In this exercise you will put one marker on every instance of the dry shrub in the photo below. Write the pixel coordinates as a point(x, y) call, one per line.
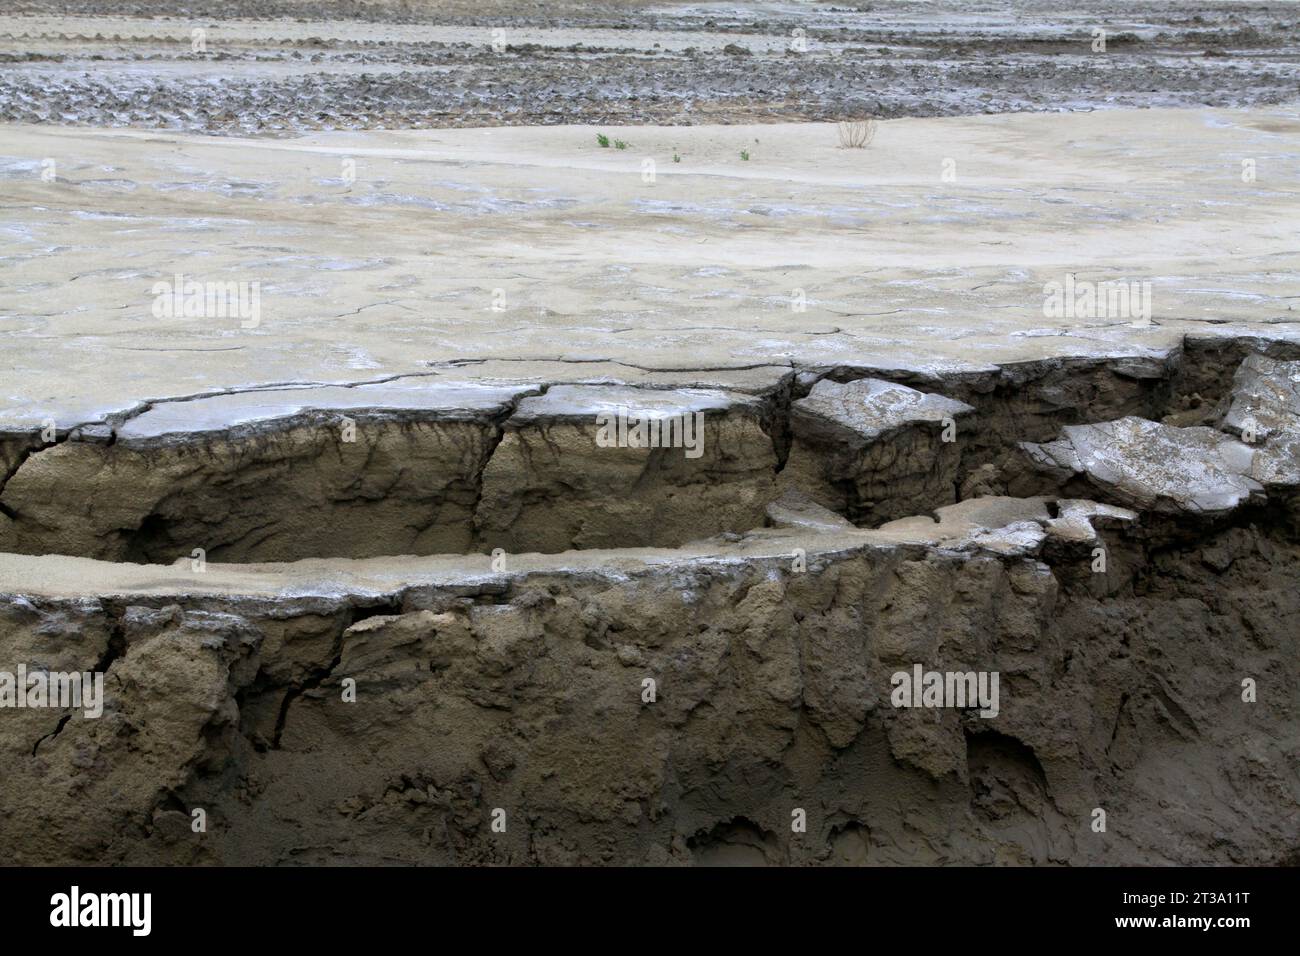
point(857, 134)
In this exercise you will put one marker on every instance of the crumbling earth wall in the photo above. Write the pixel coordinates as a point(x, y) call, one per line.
point(728, 700)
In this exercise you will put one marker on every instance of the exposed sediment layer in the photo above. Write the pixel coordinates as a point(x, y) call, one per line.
point(595, 466)
point(524, 692)
point(273, 476)
point(436, 462)
point(683, 705)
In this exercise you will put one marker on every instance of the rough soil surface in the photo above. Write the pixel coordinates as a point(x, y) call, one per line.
point(389, 709)
point(278, 66)
point(523, 691)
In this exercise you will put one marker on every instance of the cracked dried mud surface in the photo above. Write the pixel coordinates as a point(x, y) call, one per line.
point(392, 481)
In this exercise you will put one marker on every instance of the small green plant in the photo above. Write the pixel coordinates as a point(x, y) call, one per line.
point(619, 144)
point(603, 140)
point(676, 158)
point(744, 154)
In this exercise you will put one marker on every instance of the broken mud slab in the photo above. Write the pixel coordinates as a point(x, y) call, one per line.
point(1153, 467)
point(275, 476)
point(1263, 409)
point(795, 509)
point(873, 450)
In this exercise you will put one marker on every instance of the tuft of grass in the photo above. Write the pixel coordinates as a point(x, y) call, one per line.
point(603, 140)
point(744, 154)
point(676, 158)
point(619, 144)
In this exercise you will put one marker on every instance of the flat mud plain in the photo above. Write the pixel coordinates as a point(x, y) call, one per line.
point(379, 473)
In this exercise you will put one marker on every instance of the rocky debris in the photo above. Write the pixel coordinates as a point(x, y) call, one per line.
point(1264, 411)
point(279, 475)
point(873, 450)
point(796, 510)
point(1195, 472)
point(1012, 526)
point(597, 466)
point(1078, 520)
